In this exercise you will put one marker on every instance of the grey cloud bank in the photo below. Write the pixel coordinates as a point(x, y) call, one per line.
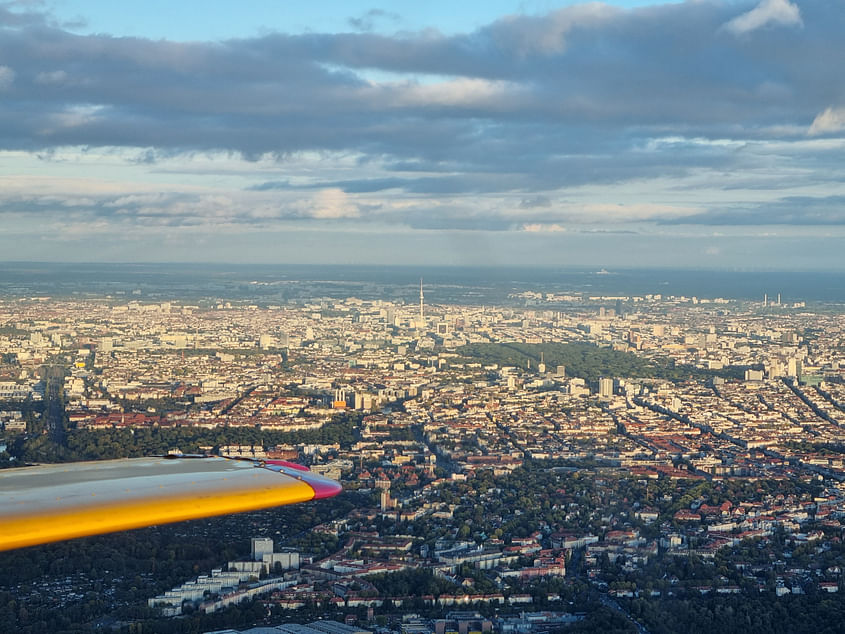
point(704, 112)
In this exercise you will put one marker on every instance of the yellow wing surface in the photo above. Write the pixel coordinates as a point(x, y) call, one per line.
point(50, 503)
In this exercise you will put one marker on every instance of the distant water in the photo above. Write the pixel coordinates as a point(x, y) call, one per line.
point(268, 283)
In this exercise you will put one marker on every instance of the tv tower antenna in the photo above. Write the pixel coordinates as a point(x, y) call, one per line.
point(422, 314)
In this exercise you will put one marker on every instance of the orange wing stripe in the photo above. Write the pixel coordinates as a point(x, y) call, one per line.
point(35, 521)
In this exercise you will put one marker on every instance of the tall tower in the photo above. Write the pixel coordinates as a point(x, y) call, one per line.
point(422, 314)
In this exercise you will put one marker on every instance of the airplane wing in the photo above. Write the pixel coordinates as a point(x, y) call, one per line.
point(54, 502)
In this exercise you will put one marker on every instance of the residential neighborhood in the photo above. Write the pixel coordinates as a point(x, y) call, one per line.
point(501, 458)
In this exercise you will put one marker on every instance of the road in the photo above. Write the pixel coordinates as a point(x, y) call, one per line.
point(574, 570)
point(613, 605)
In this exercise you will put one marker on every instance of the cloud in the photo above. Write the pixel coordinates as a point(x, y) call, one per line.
point(831, 121)
point(547, 34)
point(74, 116)
point(534, 202)
point(791, 211)
point(536, 227)
point(456, 93)
point(579, 77)
point(51, 77)
point(619, 212)
point(7, 77)
point(368, 20)
point(767, 13)
point(333, 204)
point(18, 14)
point(539, 121)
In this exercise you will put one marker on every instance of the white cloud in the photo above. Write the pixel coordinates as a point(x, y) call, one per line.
point(7, 76)
point(766, 13)
point(455, 93)
point(830, 121)
point(544, 228)
point(74, 116)
point(333, 203)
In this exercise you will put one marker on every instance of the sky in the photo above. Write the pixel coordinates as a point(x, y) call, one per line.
point(695, 134)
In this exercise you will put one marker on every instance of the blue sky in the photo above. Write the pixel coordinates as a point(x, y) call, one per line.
point(706, 133)
point(197, 20)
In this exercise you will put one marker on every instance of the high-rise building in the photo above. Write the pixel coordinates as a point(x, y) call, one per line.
point(605, 387)
point(339, 398)
point(753, 375)
point(774, 368)
point(261, 546)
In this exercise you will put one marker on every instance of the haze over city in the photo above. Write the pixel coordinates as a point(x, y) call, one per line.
point(704, 134)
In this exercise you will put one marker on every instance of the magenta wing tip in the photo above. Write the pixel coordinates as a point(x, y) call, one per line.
point(323, 487)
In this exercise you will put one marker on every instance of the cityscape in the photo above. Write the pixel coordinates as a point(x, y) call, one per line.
point(560, 461)
point(500, 317)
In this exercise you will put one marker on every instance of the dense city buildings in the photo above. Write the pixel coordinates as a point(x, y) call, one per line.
point(499, 461)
